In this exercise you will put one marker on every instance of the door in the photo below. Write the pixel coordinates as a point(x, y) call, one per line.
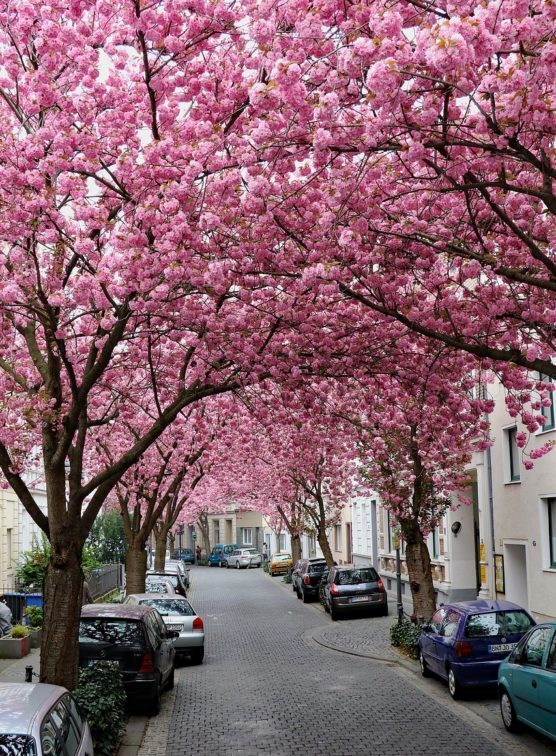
point(546, 689)
point(163, 646)
point(431, 642)
point(525, 675)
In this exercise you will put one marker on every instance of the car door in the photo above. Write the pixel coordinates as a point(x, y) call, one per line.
point(431, 642)
point(525, 674)
point(167, 651)
point(545, 716)
point(447, 638)
point(60, 731)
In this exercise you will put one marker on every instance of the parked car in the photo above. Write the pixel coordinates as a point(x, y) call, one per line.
point(37, 719)
point(307, 580)
point(178, 566)
point(349, 589)
point(527, 682)
point(175, 578)
point(244, 558)
point(465, 642)
point(295, 572)
point(136, 638)
point(280, 563)
point(158, 584)
point(186, 555)
point(177, 614)
point(219, 553)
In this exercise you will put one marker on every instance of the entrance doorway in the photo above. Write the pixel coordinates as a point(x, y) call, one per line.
point(515, 569)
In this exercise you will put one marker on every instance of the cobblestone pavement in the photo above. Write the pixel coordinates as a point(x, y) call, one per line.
point(363, 636)
point(266, 688)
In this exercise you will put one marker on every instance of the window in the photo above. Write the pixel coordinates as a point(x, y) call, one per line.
point(389, 526)
point(282, 541)
point(512, 454)
point(436, 620)
point(110, 631)
point(451, 624)
point(17, 745)
point(216, 532)
point(356, 577)
point(551, 505)
point(9, 546)
point(493, 624)
point(435, 543)
point(533, 651)
point(337, 537)
point(551, 664)
point(247, 536)
point(167, 606)
point(68, 730)
point(548, 412)
point(312, 544)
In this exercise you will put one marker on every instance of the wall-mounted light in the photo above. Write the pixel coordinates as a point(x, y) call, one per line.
point(456, 527)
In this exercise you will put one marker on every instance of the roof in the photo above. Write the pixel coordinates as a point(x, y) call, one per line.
point(115, 611)
point(160, 596)
point(21, 702)
point(484, 605)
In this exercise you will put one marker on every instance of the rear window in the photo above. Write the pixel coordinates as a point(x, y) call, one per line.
point(317, 568)
point(17, 745)
point(251, 551)
point(155, 586)
point(281, 557)
point(110, 631)
point(355, 577)
point(492, 624)
point(169, 606)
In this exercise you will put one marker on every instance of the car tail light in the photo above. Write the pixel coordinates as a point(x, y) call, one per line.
point(463, 648)
point(198, 624)
point(380, 584)
point(147, 663)
point(334, 589)
point(306, 580)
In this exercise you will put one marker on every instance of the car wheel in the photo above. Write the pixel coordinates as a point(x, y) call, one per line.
point(237, 565)
point(453, 685)
point(227, 565)
point(171, 680)
point(298, 593)
point(384, 611)
point(333, 613)
point(154, 703)
point(423, 665)
point(197, 655)
point(508, 712)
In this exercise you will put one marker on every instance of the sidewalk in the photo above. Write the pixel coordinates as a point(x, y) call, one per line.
point(13, 670)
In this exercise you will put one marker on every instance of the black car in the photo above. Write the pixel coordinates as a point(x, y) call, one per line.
point(176, 578)
point(136, 638)
point(354, 589)
point(308, 579)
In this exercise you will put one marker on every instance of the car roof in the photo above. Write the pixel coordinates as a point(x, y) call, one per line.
point(484, 606)
point(160, 596)
point(115, 611)
point(20, 703)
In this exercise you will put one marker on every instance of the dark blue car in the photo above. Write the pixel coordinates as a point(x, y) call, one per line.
point(465, 642)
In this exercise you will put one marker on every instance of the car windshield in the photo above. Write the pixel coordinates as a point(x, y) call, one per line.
point(187, 551)
point(356, 577)
point(492, 624)
point(171, 578)
point(101, 630)
point(17, 745)
point(166, 606)
point(156, 586)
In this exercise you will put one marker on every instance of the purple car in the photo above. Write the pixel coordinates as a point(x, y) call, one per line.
point(465, 642)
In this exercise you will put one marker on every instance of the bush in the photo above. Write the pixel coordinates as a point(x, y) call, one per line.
point(34, 616)
point(405, 635)
point(287, 577)
point(101, 698)
point(265, 566)
point(19, 631)
point(32, 569)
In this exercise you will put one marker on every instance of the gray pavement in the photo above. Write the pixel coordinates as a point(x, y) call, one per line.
point(280, 679)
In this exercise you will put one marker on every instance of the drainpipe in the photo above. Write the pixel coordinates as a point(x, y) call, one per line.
point(491, 513)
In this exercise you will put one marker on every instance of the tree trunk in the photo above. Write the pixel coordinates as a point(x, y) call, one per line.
point(172, 543)
point(277, 537)
point(62, 592)
point(420, 577)
point(160, 539)
point(324, 545)
point(296, 547)
point(135, 567)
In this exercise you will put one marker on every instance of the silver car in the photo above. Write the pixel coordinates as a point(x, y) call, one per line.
point(244, 558)
point(156, 584)
point(179, 615)
point(37, 719)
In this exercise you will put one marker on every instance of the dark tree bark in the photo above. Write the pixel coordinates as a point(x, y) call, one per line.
point(160, 540)
point(136, 566)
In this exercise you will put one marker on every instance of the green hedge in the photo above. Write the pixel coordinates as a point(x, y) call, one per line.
point(406, 635)
point(101, 698)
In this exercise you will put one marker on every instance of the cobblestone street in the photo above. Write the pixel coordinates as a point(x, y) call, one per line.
point(266, 686)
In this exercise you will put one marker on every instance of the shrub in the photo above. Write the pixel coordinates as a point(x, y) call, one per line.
point(102, 700)
point(19, 631)
point(34, 616)
point(32, 569)
point(287, 577)
point(265, 566)
point(405, 635)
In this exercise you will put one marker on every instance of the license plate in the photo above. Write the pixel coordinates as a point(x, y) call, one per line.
point(501, 647)
point(175, 627)
point(357, 599)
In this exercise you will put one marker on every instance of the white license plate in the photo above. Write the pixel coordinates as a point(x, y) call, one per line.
point(357, 599)
point(501, 647)
point(175, 627)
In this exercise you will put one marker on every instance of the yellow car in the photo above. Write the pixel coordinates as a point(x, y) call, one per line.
point(280, 563)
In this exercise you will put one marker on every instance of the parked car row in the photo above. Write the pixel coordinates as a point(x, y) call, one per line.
point(475, 643)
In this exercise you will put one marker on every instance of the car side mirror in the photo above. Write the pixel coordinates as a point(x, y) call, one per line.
point(426, 628)
point(172, 634)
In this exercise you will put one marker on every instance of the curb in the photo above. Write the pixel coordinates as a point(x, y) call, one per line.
point(362, 654)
